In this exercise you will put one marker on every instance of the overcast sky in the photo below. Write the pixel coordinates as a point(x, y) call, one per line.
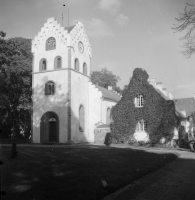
point(124, 35)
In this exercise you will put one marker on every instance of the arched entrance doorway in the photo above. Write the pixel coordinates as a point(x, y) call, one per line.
point(49, 128)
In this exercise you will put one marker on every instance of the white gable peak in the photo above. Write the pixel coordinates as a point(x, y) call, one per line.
point(51, 27)
point(78, 32)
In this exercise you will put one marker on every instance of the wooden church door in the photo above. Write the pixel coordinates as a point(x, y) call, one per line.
point(49, 128)
point(52, 130)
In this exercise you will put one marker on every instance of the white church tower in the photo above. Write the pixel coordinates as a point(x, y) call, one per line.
point(61, 75)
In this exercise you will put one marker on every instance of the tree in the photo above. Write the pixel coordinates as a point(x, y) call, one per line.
point(117, 89)
point(15, 80)
point(105, 78)
point(186, 21)
point(2, 34)
point(125, 88)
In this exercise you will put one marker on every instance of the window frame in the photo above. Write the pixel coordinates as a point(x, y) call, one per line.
point(56, 62)
point(75, 65)
point(41, 64)
point(51, 46)
point(81, 126)
point(85, 68)
point(139, 101)
point(48, 90)
point(141, 126)
point(108, 120)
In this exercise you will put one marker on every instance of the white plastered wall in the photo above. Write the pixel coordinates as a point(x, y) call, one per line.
point(95, 99)
point(79, 83)
point(79, 96)
point(105, 105)
point(58, 102)
point(43, 103)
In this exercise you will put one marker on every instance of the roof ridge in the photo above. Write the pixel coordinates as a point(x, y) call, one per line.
point(108, 93)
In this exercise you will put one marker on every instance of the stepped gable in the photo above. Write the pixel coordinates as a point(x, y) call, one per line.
point(51, 26)
point(76, 33)
point(109, 94)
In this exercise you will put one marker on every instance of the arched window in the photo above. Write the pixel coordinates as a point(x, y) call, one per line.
point(76, 64)
point(58, 62)
point(111, 114)
point(108, 116)
point(85, 68)
point(49, 88)
point(141, 126)
point(43, 64)
point(81, 119)
point(50, 44)
point(139, 101)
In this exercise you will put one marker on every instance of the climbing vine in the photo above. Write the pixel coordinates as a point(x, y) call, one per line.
point(158, 112)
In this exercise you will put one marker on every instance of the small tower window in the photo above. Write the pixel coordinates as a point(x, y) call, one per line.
point(50, 44)
point(76, 64)
point(85, 68)
point(139, 101)
point(58, 62)
point(81, 119)
point(141, 126)
point(43, 65)
point(49, 88)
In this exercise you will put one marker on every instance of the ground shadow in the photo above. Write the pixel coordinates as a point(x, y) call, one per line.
point(76, 171)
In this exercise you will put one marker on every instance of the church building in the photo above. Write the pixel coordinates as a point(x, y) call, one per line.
point(66, 105)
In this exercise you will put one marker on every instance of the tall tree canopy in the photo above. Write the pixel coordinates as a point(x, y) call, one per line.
point(105, 78)
point(15, 79)
point(186, 22)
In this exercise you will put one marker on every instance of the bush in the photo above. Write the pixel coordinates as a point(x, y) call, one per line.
point(108, 139)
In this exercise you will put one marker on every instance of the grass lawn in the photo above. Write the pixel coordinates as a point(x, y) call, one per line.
point(73, 172)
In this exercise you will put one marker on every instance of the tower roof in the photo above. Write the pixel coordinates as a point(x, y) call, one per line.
point(69, 29)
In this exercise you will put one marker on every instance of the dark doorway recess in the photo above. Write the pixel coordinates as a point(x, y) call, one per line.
point(49, 128)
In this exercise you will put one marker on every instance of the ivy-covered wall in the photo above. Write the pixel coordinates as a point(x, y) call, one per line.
point(158, 112)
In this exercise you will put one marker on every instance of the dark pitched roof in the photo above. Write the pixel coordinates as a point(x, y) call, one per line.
point(109, 94)
point(187, 104)
point(69, 29)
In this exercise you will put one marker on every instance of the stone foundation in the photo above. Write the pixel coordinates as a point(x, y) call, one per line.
point(100, 133)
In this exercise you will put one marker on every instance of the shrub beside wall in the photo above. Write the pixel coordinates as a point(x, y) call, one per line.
point(158, 112)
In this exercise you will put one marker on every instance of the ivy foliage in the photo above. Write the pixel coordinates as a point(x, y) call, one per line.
point(157, 112)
